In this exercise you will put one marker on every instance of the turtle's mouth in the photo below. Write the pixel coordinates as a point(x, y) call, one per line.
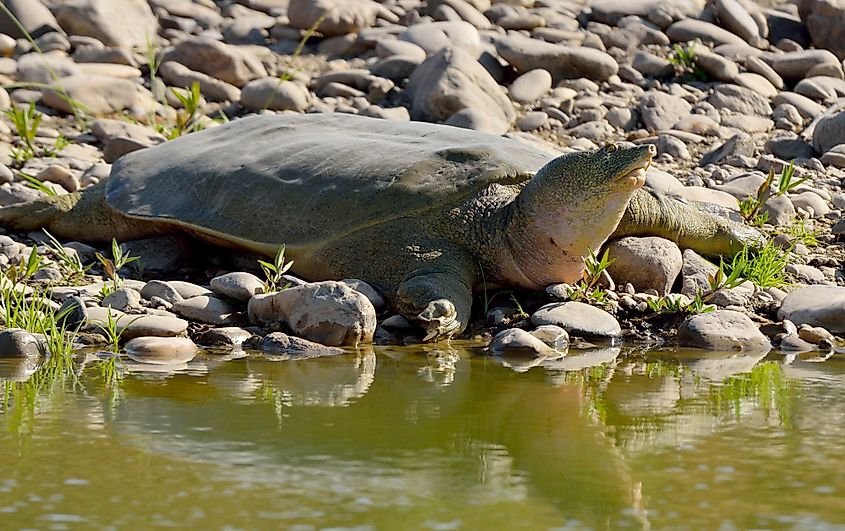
point(635, 176)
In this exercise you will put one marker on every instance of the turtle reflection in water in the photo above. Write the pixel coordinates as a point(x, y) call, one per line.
point(425, 213)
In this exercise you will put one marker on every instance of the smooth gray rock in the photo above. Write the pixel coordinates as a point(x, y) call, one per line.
point(335, 17)
point(123, 299)
point(451, 81)
point(578, 319)
point(795, 65)
point(690, 29)
point(722, 330)
point(646, 263)
point(179, 75)
point(562, 62)
point(652, 65)
point(328, 312)
point(825, 21)
point(239, 285)
point(32, 15)
point(738, 20)
point(227, 336)
point(661, 111)
point(161, 350)
point(717, 66)
point(375, 298)
point(271, 93)
point(515, 341)
point(296, 348)
point(121, 23)
point(829, 132)
point(530, 86)
point(17, 343)
point(206, 309)
point(822, 306)
point(739, 100)
point(219, 60)
point(99, 95)
point(162, 290)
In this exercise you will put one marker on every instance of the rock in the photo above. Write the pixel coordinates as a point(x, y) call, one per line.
point(656, 11)
point(160, 253)
point(179, 75)
point(736, 19)
point(32, 15)
point(822, 306)
point(790, 147)
point(37, 68)
point(187, 289)
point(59, 175)
point(829, 132)
point(672, 146)
point(220, 61)
point(207, 309)
point(106, 129)
point(795, 65)
point(121, 23)
point(72, 313)
point(741, 144)
point(335, 17)
point(578, 319)
point(515, 341)
point(451, 81)
point(660, 111)
point(690, 29)
point(810, 201)
point(722, 330)
point(530, 86)
point(151, 325)
point(271, 93)
point(296, 348)
point(434, 36)
point(123, 299)
point(795, 344)
point(240, 286)
point(328, 312)
point(396, 68)
point(229, 336)
point(805, 106)
point(552, 335)
point(821, 88)
point(532, 120)
point(392, 47)
point(647, 263)
point(825, 21)
point(161, 350)
point(562, 62)
point(651, 65)
point(695, 272)
point(758, 66)
point(17, 343)
point(368, 291)
point(739, 100)
point(162, 290)
point(835, 156)
point(716, 66)
point(814, 334)
point(100, 95)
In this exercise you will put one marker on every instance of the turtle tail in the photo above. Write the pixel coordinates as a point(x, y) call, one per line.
point(37, 214)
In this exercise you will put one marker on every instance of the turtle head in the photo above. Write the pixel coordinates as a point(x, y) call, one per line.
point(581, 175)
point(572, 205)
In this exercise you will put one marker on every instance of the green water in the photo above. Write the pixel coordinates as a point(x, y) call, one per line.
point(448, 438)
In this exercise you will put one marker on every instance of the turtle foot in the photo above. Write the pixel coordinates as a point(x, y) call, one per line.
point(439, 320)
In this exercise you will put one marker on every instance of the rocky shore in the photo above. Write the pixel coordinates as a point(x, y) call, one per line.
point(745, 103)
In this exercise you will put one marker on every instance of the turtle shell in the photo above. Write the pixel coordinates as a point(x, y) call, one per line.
point(311, 178)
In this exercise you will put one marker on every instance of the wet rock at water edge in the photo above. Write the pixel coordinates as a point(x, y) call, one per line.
point(161, 350)
point(296, 348)
point(578, 319)
point(722, 330)
point(822, 306)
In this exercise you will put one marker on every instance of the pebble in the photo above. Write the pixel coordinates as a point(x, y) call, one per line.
point(724, 330)
point(646, 263)
point(207, 309)
point(822, 306)
point(239, 286)
point(17, 343)
point(296, 348)
point(530, 86)
point(161, 350)
point(515, 341)
point(578, 319)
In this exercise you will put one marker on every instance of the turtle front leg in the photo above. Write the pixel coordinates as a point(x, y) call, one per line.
point(439, 299)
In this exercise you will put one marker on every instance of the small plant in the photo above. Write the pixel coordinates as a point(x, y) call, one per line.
point(26, 267)
point(70, 263)
point(60, 143)
point(800, 232)
point(749, 208)
point(187, 118)
point(587, 289)
point(520, 312)
point(764, 267)
point(274, 272)
point(112, 267)
point(113, 330)
point(684, 58)
point(26, 121)
point(673, 305)
point(594, 267)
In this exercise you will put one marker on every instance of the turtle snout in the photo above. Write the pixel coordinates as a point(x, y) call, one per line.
point(652, 150)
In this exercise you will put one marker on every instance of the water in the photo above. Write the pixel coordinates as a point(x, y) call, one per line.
point(413, 438)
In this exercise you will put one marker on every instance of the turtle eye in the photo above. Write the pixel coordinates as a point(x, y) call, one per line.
point(610, 148)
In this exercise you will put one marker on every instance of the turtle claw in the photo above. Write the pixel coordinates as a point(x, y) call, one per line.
point(439, 320)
